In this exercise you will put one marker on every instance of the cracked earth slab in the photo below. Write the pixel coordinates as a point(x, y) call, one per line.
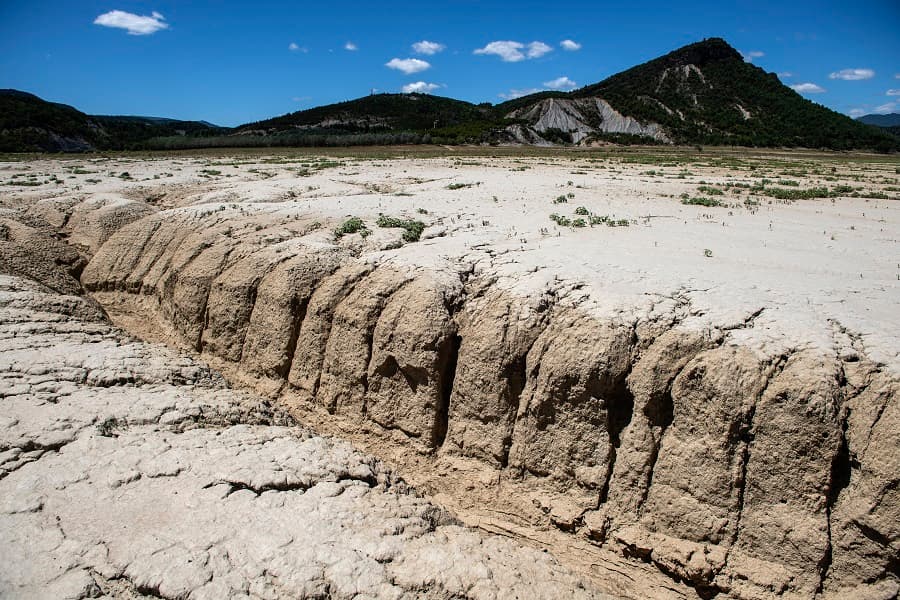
point(132, 471)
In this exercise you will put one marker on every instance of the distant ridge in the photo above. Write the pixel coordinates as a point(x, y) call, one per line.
point(703, 93)
point(887, 120)
point(31, 124)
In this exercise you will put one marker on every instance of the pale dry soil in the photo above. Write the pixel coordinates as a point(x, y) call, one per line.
point(700, 400)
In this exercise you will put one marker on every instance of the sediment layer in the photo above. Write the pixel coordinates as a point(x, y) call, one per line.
point(674, 437)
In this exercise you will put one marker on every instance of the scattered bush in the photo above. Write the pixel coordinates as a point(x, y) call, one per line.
point(701, 201)
point(412, 229)
point(352, 225)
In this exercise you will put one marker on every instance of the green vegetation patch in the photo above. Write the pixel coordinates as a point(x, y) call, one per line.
point(352, 225)
point(701, 201)
point(412, 229)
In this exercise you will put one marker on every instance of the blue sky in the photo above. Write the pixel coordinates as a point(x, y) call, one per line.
point(234, 62)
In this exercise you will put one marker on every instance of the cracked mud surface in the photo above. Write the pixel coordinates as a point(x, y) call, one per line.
point(128, 470)
point(669, 423)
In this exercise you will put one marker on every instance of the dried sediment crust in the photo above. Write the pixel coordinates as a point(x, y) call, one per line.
point(129, 470)
point(735, 463)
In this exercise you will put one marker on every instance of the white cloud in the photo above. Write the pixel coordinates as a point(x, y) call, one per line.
point(893, 93)
point(428, 48)
point(420, 87)
point(749, 56)
point(886, 108)
point(133, 24)
point(807, 88)
point(560, 83)
point(513, 94)
point(510, 51)
point(856, 112)
point(785, 74)
point(293, 47)
point(570, 45)
point(853, 74)
point(408, 65)
point(538, 49)
point(351, 47)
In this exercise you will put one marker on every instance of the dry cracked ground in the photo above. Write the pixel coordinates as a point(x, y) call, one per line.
point(636, 374)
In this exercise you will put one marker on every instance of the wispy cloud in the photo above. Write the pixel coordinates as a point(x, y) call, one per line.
point(893, 93)
point(408, 65)
point(351, 47)
point(293, 47)
point(538, 49)
point(853, 74)
point(749, 56)
point(511, 51)
point(856, 112)
point(513, 94)
point(785, 74)
point(808, 88)
point(427, 48)
point(132, 23)
point(886, 108)
point(560, 83)
point(420, 87)
point(570, 45)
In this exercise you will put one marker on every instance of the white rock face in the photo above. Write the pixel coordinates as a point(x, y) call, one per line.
point(127, 470)
point(581, 117)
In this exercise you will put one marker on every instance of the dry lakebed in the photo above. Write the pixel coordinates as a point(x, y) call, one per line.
point(471, 373)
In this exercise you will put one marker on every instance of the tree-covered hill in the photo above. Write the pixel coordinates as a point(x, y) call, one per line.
point(30, 124)
point(704, 93)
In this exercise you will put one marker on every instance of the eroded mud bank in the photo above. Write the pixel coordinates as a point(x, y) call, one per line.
point(661, 432)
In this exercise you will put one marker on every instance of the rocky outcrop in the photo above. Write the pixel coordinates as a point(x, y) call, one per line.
point(579, 117)
point(742, 468)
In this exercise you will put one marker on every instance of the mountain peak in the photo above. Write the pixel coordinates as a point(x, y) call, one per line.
point(702, 53)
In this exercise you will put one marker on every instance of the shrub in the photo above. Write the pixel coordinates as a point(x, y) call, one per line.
point(581, 210)
point(712, 191)
point(701, 201)
point(412, 229)
point(352, 225)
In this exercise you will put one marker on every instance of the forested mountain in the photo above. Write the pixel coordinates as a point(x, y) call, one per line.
point(703, 93)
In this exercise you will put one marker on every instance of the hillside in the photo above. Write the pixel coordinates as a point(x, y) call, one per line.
point(446, 119)
point(704, 93)
point(884, 121)
point(31, 124)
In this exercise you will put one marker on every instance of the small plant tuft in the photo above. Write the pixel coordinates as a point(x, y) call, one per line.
point(352, 225)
